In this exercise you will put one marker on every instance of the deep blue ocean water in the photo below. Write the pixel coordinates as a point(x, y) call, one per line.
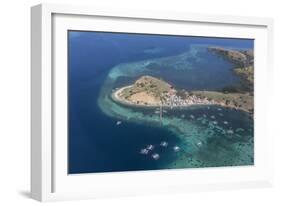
point(96, 143)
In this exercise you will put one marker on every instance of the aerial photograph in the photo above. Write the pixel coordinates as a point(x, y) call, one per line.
point(139, 102)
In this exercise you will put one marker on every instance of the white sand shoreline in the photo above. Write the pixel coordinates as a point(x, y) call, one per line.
point(115, 96)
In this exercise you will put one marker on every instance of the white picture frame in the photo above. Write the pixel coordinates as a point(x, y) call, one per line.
point(49, 178)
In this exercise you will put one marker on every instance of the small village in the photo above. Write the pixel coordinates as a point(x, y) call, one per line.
point(171, 99)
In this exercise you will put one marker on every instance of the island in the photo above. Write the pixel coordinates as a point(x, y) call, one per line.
point(150, 91)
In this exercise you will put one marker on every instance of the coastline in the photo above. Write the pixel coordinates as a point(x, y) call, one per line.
point(193, 134)
point(117, 99)
point(243, 61)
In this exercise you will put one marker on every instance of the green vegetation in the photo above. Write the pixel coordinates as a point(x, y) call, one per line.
point(230, 89)
point(182, 93)
point(238, 57)
point(239, 100)
point(148, 84)
point(247, 73)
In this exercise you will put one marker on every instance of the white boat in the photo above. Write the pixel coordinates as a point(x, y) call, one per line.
point(215, 122)
point(191, 116)
point(213, 117)
point(230, 131)
point(176, 148)
point(155, 156)
point(199, 143)
point(144, 151)
point(225, 122)
point(118, 122)
point(150, 147)
point(164, 144)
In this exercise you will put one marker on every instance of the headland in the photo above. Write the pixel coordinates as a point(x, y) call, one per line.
point(148, 91)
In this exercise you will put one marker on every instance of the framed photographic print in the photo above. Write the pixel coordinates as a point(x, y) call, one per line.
point(134, 102)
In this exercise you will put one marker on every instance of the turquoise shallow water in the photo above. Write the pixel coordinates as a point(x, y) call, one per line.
point(195, 69)
point(209, 136)
point(100, 62)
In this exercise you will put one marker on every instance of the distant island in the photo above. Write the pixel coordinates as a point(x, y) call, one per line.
point(244, 63)
point(153, 92)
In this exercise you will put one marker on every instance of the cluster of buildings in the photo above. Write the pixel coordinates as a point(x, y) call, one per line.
point(172, 100)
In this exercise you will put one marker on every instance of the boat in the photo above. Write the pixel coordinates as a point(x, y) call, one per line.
point(150, 147)
point(199, 143)
point(144, 151)
point(176, 148)
point(164, 144)
point(215, 122)
point(191, 116)
point(155, 156)
point(225, 122)
point(213, 117)
point(239, 130)
point(118, 122)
